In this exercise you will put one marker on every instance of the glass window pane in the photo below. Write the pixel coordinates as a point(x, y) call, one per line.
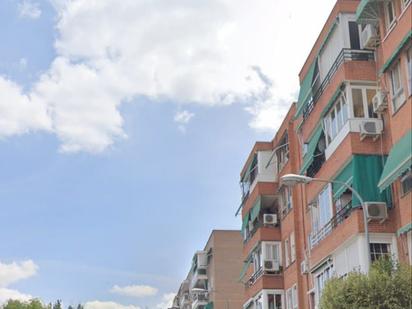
point(327, 130)
point(339, 116)
point(370, 93)
point(334, 124)
point(357, 99)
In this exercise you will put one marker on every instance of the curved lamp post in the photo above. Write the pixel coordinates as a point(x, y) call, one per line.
point(293, 179)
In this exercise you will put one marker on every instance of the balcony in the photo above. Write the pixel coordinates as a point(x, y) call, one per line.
point(258, 274)
point(257, 171)
point(199, 299)
point(344, 56)
point(317, 236)
point(263, 214)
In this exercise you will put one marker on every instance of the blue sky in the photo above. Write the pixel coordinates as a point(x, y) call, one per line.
point(115, 171)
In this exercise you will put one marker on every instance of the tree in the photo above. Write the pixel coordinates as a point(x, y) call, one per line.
point(32, 304)
point(388, 285)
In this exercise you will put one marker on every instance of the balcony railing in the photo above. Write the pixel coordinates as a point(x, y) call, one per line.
point(340, 216)
point(257, 226)
point(259, 273)
point(345, 55)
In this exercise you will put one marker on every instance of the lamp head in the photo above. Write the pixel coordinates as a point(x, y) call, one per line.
point(293, 179)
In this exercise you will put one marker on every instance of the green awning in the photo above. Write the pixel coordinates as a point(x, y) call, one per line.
point(209, 306)
point(346, 176)
point(254, 212)
point(396, 52)
point(244, 269)
point(366, 170)
point(305, 91)
point(368, 12)
point(333, 99)
point(250, 168)
point(399, 160)
point(313, 143)
point(245, 222)
point(404, 229)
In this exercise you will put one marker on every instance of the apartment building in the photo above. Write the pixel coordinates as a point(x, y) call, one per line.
point(351, 126)
point(212, 281)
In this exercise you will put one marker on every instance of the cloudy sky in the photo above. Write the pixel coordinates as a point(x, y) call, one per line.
point(123, 128)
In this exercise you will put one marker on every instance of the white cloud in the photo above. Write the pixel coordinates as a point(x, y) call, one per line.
point(7, 294)
point(167, 301)
point(135, 290)
point(13, 272)
point(107, 305)
point(200, 52)
point(19, 113)
point(29, 9)
point(183, 117)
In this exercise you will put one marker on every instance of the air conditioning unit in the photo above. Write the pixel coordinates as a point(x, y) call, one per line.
point(270, 219)
point(201, 259)
point(304, 267)
point(369, 37)
point(370, 128)
point(376, 211)
point(271, 265)
point(380, 102)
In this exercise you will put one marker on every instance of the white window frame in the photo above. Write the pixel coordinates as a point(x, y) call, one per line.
point(390, 249)
point(320, 278)
point(272, 250)
point(405, 176)
point(405, 3)
point(398, 94)
point(286, 199)
point(327, 190)
point(409, 68)
point(342, 103)
point(292, 247)
point(287, 256)
point(388, 23)
point(292, 298)
point(364, 89)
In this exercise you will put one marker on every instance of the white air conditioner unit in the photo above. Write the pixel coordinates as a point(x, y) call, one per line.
point(201, 259)
point(271, 265)
point(304, 267)
point(369, 37)
point(376, 211)
point(380, 102)
point(270, 219)
point(370, 128)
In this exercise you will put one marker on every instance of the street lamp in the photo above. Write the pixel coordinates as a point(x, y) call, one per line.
point(293, 179)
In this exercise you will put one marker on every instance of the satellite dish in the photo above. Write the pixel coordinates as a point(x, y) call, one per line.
point(322, 145)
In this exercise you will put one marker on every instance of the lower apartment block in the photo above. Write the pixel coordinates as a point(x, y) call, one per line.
point(213, 279)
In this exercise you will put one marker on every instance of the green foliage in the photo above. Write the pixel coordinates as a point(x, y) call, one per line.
point(35, 304)
point(386, 286)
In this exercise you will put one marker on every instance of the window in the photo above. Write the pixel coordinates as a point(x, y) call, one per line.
point(379, 250)
point(287, 257)
point(257, 259)
point(335, 119)
point(362, 101)
point(409, 69)
point(286, 200)
point(271, 251)
point(406, 181)
point(289, 301)
point(354, 35)
point(357, 100)
point(405, 3)
point(325, 205)
point(282, 154)
point(320, 280)
point(274, 301)
point(295, 297)
point(292, 247)
point(389, 14)
point(398, 97)
point(259, 302)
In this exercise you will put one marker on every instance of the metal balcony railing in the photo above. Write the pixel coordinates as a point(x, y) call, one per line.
point(259, 273)
point(345, 55)
point(340, 216)
point(257, 226)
